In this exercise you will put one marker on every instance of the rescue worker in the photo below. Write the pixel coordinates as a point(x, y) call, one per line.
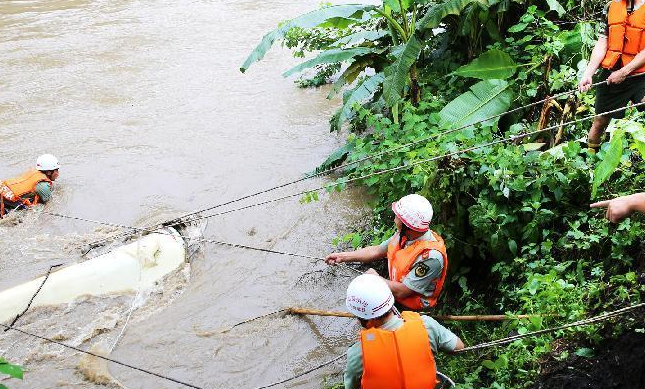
point(417, 259)
point(620, 51)
point(620, 208)
point(394, 351)
point(30, 188)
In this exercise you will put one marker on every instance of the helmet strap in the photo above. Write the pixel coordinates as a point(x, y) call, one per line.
point(402, 233)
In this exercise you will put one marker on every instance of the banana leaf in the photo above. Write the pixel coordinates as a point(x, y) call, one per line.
point(308, 20)
point(335, 159)
point(610, 161)
point(351, 73)
point(436, 13)
point(329, 56)
point(396, 7)
point(557, 7)
point(493, 64)
point(396, 75)
point(484, 99)
point(363, 91)
point(361, 36)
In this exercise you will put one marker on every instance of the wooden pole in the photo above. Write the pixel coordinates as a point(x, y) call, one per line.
point(318, 312)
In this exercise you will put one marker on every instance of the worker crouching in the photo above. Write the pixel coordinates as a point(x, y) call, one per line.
point(416, 255)
point(30, 188)
point(394, 351)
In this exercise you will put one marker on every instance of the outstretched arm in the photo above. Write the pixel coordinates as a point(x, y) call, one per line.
point(622, 207)
point(364, 255)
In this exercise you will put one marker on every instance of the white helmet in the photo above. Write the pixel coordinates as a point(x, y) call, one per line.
point(415, 211)
point(47, 162)
point(368, 297)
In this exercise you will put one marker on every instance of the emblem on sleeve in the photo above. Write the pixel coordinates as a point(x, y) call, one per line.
point(421, 270)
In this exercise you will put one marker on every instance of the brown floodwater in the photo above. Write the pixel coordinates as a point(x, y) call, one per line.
point(143, 103)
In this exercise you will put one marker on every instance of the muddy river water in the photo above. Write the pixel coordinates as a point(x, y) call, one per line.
point(143, 103)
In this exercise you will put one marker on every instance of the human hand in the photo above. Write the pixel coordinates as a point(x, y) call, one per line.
point(372, 271)
point(585, 84)
point(617, 209)
point(334, 259)
point(617, 77)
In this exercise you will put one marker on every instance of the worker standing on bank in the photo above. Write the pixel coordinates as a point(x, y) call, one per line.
point(30, 188)
point(417, 259)
point(620, 51)
point(394, 351)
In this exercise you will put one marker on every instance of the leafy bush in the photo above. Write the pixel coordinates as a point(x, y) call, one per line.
point(515, 214)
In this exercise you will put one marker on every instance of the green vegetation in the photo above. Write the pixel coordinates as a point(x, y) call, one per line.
point(10, 370)
point(515, 215)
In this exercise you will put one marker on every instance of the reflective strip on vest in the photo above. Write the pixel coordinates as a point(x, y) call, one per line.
point(400, 359)
point(626, 35)
point(15, 188)
point(401, 260)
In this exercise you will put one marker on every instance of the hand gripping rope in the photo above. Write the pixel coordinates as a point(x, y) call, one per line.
point(499, 342)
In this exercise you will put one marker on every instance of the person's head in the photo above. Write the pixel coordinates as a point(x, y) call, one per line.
point(48, 165)
point(370, 299)
point(412, 215)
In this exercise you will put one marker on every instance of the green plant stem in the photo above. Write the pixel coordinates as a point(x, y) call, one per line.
point(413, 22)
point(393, 23)
point(404, 16)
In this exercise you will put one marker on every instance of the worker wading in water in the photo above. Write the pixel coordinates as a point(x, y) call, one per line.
point(620, 51)
point(394, 351)
point(417, 259)
point(30, 188)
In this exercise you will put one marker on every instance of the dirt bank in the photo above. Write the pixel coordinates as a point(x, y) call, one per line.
point(618, 364)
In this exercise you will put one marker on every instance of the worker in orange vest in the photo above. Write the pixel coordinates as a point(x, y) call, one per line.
point(394, 351)
point(417, 258)
point(30, 188)
point(620, 51)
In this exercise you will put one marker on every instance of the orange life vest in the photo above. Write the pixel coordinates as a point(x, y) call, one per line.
point(626, 37)
point(400, 262)
point(400, 359)
point(13, 189)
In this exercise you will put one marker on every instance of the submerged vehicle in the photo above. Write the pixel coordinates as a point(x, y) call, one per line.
point(131, 267)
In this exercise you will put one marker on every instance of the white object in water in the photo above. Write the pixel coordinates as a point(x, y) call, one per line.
point(132, 267)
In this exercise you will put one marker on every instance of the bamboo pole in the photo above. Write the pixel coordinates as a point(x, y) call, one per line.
point(319, 312)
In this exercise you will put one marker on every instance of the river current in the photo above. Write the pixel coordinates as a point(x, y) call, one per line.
point(143, 103)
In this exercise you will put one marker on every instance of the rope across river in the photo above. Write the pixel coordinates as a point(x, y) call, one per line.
point(499, 342)
point(174, 222)
point(353, 180)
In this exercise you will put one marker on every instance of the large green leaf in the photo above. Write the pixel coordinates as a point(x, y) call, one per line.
point(639, 141)
point(396, 75)
point(572, 40)
point(636, 130)
point(484, 99)
point(555, 6)
point(329, 56)
point(335, 159)
point(363, 91)
point(351, 73)
point(396, 7)
point(308, 20)
point(610, 161)
point(435, 14)
point(361, 36)
point(493, 64)
point(14, 371)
